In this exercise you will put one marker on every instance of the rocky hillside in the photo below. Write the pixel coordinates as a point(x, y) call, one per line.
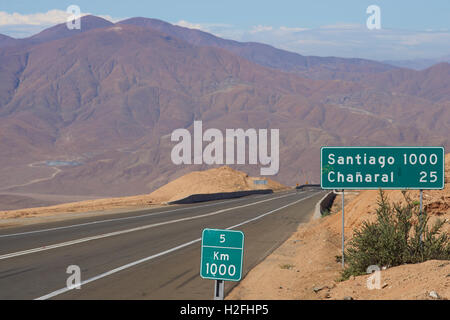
point(108, 98)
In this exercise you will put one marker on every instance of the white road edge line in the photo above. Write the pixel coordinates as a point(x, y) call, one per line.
point(119, 219)
point(116, 233)
point(132, 264)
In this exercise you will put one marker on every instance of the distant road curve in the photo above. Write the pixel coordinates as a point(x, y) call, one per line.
point(53, 175)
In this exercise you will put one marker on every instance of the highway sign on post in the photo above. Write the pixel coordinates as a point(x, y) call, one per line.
point(221, 255)
point(382, 168)
point(221, 260)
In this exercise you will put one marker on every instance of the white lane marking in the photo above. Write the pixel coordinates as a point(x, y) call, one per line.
point(121, 219)
point(115, 233)
point(132, 264)
point(63, 290)
point(272, 211)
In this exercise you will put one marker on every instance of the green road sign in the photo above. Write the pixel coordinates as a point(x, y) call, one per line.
point(382, 167)
point(222, 253)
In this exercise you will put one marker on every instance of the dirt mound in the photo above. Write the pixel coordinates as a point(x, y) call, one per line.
point(134, 202)
point(223, 179)
point(411, 281)
point(305, 266)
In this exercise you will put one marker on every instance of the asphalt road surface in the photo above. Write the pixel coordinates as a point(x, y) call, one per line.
point(148, 254)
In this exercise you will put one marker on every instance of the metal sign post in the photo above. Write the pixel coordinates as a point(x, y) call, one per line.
point(219, 290)
point(421, 216)
point(343, 229)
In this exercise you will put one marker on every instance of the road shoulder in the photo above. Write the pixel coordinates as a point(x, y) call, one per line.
point(305, 266)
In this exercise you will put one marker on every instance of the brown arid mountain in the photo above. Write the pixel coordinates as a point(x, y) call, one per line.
point(426, 84)
point(6, 41)
point(268, 56)
point(104, 102)
point(59, 31)
point(418, 64)
point(419, 97)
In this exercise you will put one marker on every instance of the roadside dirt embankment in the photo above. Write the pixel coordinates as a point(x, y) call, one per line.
point(217, 180)
point(223, 179)
point(305, 266)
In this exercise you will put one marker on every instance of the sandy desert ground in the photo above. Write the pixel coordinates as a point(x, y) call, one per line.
point(305, 266)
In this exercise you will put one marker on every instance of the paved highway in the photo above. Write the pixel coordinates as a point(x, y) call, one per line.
point(150, 254)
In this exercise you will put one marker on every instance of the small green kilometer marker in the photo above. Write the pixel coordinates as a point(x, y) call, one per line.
point(222, 254)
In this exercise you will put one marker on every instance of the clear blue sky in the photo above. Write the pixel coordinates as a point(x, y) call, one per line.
point(398, 14)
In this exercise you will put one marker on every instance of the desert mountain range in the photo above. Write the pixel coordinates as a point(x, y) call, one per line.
point(102, 102)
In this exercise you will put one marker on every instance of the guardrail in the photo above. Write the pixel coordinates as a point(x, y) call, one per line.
point(327, 202)
point(219, 196)
point(324, 204)
point(303, 186)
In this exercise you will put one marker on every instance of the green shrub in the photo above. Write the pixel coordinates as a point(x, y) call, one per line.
point(287, 266)
point(326, 212)
point(395, 239)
